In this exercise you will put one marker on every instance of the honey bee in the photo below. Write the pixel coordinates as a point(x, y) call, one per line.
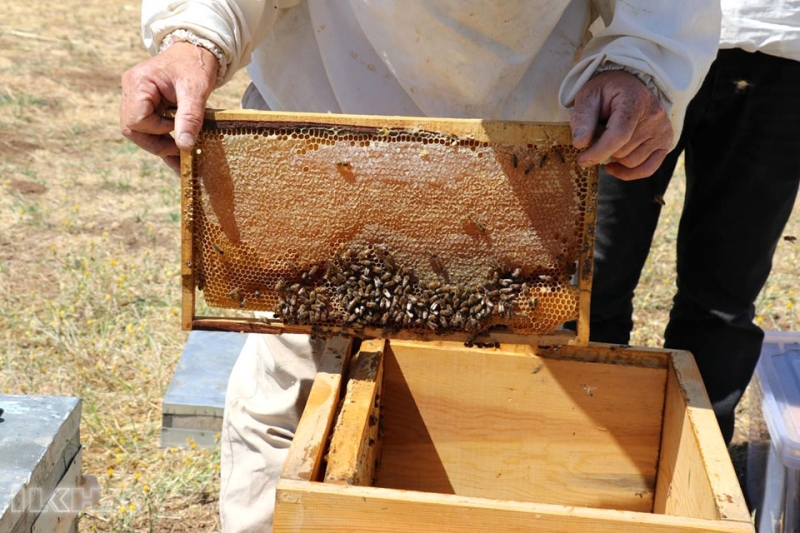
point(514, 160)
point(436, 262)
point(478, 223)
point(543, 161)
point(237, 295)
point(560, 155)
point(529, 168)
point(218, 248)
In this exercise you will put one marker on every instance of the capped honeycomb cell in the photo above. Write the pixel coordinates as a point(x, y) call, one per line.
point(393, 225)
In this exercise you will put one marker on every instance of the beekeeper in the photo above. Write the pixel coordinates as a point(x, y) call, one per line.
point(627, 69)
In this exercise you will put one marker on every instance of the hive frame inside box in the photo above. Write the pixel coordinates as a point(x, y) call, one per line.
point(641, 452)
point(396, 456)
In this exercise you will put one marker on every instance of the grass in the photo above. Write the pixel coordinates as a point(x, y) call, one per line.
point(89, 261)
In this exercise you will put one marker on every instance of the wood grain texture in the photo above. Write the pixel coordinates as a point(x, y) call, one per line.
point(187, 242)
point(317, 507)
point(520, 427)
point(263, 325)
point(354, 443)
point(305, 454)
point(496, 131)
point(696, 477)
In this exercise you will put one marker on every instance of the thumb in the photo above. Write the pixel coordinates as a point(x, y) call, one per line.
point(585, 117)
point(189, 117)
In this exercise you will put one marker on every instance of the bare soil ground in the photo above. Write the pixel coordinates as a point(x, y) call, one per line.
point(89, 261)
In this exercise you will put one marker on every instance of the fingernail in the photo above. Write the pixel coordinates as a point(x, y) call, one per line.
point(186, 138)
point(578, 132)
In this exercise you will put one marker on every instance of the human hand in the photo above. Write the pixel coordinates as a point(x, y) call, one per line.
point(182, 75)
point(638, 132)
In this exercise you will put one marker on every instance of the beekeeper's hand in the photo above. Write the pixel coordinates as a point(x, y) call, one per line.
point(637, 134)
point(182, 75)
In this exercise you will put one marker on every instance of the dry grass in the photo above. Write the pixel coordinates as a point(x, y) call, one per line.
point(89, 261)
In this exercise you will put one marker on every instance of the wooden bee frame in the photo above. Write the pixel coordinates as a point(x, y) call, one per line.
point(436, 437)
point(210, 177)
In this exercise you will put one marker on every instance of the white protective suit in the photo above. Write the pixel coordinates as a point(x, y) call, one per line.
point(764, 26)
point(509, 60)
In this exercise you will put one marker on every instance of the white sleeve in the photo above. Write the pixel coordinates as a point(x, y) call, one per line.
point(671, 42)
point(234, 26)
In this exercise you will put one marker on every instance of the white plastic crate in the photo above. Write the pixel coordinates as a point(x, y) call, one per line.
point(774, 447)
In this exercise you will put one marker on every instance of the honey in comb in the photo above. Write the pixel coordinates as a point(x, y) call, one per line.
point(387, 228)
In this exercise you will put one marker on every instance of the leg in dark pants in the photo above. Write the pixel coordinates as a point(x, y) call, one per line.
point(742, 144)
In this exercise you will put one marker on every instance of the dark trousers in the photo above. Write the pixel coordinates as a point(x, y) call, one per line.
point(741, 140)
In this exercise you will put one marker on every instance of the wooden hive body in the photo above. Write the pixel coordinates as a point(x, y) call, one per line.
point(438, 437)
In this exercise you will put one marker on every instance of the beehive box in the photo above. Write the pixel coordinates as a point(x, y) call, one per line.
point(435, 437)
point(466, 244)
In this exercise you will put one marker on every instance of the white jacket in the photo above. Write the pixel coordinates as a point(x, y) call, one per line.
point(505, 59)
point(763, 26)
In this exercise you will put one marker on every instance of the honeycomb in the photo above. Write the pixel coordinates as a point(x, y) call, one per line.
point(393, 227)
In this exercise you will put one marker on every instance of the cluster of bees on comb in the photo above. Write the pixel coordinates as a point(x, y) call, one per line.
point(365, 287)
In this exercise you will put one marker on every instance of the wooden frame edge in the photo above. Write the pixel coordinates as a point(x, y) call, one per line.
point(586, 260)
point(187, 242)
point(275, 327)
point(372, 509)
point(320, 410)
point(354, 446)
point(478, 129)
point(725, 486)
